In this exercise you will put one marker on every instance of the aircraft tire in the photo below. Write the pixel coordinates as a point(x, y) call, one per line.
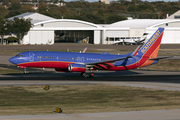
point(83, 74)
point(91, 74)
point(24, 71)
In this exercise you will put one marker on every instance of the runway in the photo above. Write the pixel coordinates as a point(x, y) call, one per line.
point(136, 78)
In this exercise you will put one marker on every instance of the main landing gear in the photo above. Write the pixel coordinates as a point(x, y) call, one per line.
point(24, 71)
point(91, 74)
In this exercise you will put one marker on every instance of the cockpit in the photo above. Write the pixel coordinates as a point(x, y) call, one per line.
point(19, 55)
point(17, 59)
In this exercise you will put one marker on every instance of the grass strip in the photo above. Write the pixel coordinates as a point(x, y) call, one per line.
point(23, 100)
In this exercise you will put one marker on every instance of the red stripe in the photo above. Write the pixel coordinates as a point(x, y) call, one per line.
point(46, 64)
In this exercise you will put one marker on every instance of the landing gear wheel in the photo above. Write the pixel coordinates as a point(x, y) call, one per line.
point(83, 74)
point(91, 74)
point(24, 71)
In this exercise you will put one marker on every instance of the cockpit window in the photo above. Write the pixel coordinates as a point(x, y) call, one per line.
point(19, 55)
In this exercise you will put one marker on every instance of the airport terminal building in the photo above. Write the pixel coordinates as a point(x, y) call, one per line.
point(47, 30)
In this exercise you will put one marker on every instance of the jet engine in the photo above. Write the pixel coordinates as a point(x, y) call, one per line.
point(76, 68)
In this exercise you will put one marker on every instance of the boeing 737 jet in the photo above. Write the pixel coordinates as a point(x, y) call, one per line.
point(83, 62)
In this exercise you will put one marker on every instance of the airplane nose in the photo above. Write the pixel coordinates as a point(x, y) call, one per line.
point(12, 60)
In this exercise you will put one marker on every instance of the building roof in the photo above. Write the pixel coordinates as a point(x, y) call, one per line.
point(174, 15)
point(36, 17)
point(138, 23)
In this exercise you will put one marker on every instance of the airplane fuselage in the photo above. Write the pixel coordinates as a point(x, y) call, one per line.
point(61, 60)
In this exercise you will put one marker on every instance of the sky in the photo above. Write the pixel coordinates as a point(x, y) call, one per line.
point(116, 0)
point(161, 0)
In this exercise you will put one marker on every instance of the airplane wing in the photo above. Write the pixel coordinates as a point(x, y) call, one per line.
point(107, 61)
point(117, 59)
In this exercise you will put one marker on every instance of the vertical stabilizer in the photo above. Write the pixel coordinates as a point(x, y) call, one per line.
point(151, 47)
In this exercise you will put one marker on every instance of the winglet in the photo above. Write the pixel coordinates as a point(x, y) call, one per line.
point(136, 51)
point(85, 49)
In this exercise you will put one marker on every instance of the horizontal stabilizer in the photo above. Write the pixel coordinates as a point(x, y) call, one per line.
point(158, 58)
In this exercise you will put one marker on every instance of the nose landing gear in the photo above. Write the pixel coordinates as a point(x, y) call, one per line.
point(83, 74)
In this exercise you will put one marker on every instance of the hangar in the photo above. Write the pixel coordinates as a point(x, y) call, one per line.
point(63, 30)
point(48, 30)
point(139, 26)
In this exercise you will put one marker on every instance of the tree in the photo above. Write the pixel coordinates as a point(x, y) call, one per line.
point(12, 39)
point(5, 27)
point(3, 11)
point(6, 2)
point(20, 27)
point(121, 1)
point(14, 9)
point(115, 18)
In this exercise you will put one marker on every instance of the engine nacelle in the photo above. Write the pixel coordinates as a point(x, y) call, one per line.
point(76, 68)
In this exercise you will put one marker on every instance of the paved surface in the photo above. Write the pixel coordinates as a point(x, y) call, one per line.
point(136, 78)
point(4, 59)
point(62, 46)
point(132, 115)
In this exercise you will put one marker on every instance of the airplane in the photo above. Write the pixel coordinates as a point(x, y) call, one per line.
point(129, 41)
point(84, 62)
point(133, 40)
